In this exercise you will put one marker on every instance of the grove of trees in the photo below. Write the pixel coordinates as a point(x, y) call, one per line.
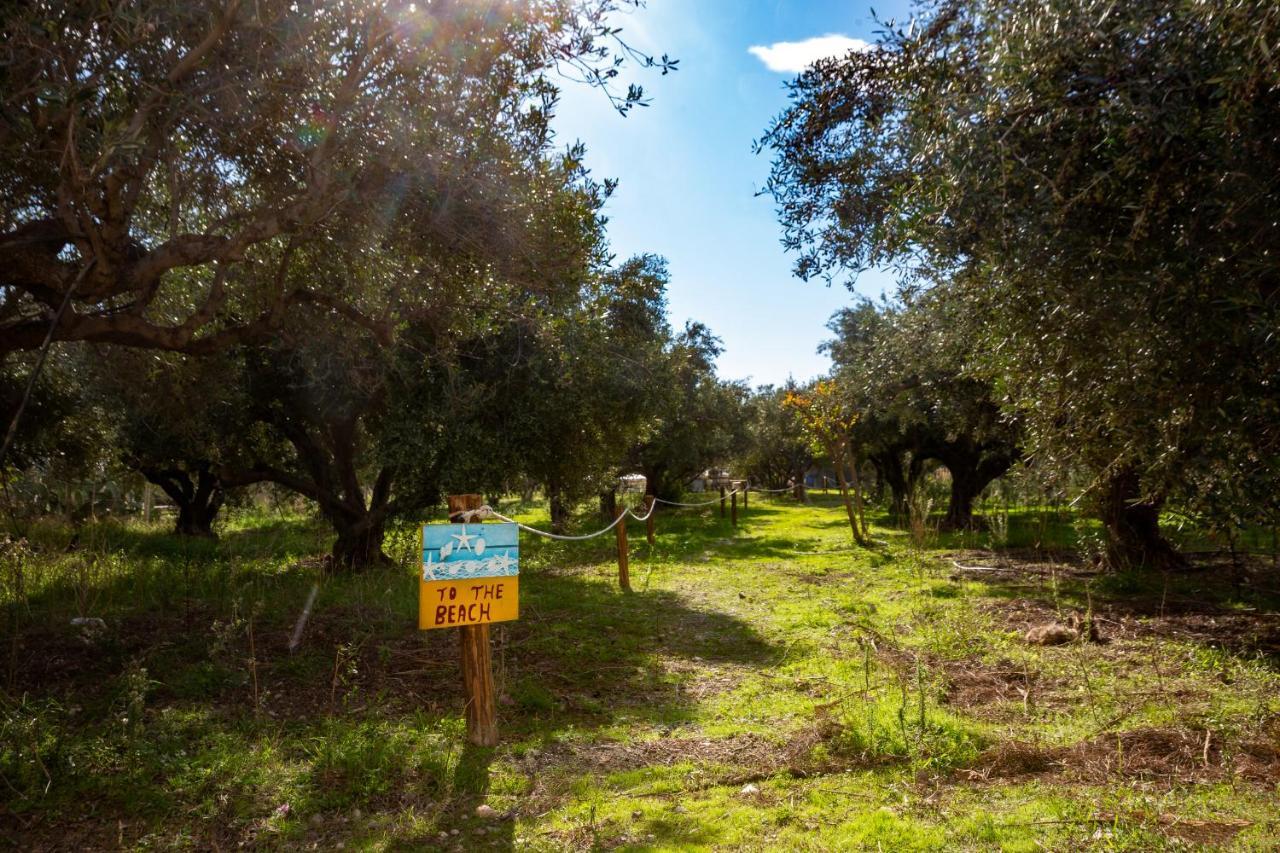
point(330, 247)
point(335, 249)
point(1080, 202)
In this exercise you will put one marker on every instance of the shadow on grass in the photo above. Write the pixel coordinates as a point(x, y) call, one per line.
point(458, 825)
point(583, 656)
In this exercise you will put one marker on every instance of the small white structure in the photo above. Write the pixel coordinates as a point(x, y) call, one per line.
point(632, 484)
point(711, 479)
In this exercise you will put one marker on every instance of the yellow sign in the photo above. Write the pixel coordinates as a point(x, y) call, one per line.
point(448, 604)
point(470, 575)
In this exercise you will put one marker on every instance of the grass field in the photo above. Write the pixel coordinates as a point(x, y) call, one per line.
point(765, 686)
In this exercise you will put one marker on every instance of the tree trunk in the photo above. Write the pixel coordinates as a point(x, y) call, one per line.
point(608, 506)
point(197, 501)
point(838, 459)
point(964, 488)
point(889, 467)
point(559, 509)
point(359, 544)
point(972, 470)
point(1133, 527)
point(658, 483)
point(194, 520)
point(855, 483)
point(877, 489)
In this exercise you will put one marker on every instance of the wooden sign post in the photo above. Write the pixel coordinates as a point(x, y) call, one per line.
point(624, 575)
point(470, 578)
point(650, 504)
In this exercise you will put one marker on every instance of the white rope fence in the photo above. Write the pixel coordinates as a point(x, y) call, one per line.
point(700, 503)
point(487, 511)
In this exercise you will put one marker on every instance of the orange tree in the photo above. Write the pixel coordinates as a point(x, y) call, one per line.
point(829, 419)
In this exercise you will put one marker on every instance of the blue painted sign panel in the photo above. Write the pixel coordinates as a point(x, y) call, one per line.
point(466, 551)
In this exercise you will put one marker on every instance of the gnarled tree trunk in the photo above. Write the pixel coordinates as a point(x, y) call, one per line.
point(889, 469)
point(198, 498)
point(972, 468)
point(359, 544)
point(327, 473)
point(1132, 523)
point(965, 488)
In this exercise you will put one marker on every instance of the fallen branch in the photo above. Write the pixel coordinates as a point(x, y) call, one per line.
point(978, 568)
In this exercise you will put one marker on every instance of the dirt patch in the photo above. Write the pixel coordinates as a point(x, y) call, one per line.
point(55, 657)
point(1174, 755)
point(1211, 833)
point(981, 689)
point(1246, 634)
point(1184, 616)
point(698, 681)
point(1241, 633)
point(1021, 564)
point(1161, 755)
point(1013, 760)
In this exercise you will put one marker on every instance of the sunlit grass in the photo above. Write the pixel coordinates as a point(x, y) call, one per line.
point(767, 686)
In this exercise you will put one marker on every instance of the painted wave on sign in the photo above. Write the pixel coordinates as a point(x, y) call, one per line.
point(502, 564)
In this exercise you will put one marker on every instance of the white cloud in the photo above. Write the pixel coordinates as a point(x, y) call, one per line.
point(792, 57)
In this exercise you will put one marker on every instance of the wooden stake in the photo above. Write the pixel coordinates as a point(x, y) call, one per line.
point(734, 507)
point(722, 501)
point(624, 577)
point(649, 524)
point(477, 660)
point(745, 489)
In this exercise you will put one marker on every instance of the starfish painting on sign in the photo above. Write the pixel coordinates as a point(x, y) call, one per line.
point(470, 574)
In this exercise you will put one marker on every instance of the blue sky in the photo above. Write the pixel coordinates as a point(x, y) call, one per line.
point(688, 177)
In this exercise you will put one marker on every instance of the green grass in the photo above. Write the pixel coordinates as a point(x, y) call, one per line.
point(767, 686)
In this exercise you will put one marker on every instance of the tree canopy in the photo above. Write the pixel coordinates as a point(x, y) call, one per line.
point(162, 166)
point(1094, 184)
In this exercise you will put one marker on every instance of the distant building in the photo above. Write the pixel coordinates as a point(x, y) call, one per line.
point(711, 479)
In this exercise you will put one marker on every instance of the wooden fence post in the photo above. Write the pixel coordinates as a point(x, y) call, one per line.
point(477, 659)
point(734, 507)
point(722, 501)
point(745, 490)
point(624, 576)
point(651, 504)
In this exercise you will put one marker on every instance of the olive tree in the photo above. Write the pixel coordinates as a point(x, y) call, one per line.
point(159, 160)
point(905, 367)
point(697, 421)
point(776, 451)
point(1095, 185)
